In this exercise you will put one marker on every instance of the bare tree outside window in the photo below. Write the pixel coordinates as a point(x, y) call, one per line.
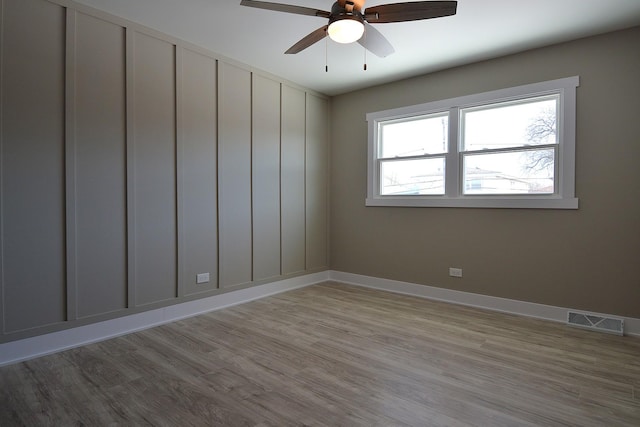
point(542, 130)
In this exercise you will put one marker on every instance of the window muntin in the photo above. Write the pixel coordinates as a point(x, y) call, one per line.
point(536, 156)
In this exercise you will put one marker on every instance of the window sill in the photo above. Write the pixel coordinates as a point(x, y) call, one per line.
point(507, 202)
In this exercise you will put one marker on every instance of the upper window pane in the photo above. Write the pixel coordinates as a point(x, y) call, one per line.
point(414, 136)
point(510, 124)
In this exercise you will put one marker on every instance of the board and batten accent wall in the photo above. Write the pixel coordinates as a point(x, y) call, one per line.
point(132, 161)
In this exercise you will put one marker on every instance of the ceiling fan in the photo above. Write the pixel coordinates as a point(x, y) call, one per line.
point(349, 21)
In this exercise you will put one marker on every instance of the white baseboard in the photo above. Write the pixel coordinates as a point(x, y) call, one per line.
point(523, 308)
point(29, 348)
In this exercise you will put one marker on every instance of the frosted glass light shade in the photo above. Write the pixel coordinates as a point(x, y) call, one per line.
point(346, 30)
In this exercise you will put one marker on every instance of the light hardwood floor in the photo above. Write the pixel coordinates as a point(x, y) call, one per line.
point(335, 355)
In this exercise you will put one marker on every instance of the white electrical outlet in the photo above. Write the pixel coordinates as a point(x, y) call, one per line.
point(202, 278)
point(455, 272)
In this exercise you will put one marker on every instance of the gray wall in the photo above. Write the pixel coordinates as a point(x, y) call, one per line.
point(584, 259)
point(131, 161)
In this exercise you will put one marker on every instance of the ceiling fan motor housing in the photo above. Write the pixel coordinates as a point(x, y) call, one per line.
point(339, 13)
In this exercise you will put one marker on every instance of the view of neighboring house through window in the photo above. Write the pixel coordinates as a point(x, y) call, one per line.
point(508, 148)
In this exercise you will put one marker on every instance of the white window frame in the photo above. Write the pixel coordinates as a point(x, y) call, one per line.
point(564, 193)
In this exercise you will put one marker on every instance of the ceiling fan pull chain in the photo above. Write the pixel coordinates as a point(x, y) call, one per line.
point(365, 51)
point(326, 55)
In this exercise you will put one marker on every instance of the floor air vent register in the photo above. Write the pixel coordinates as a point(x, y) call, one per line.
point(596, 322)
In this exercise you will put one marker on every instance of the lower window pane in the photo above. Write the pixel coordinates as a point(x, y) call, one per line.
point(519, 172)
point(422, 176)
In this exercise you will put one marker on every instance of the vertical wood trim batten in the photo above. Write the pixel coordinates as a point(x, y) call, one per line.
point(179, 146)
point(2, 26)
point(304, 174)
point(280, 172)
point(327, 180)
point(130, 165)
point(218, 104)
point(251, 189)
point(327, 183)
point(70, 165)
point(217, 166)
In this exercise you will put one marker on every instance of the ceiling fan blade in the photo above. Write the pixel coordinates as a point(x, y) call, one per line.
point(375, 42)
point(279, 7)
point(308, 40)
point(410, 11)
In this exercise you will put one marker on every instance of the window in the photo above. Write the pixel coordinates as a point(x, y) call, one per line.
point(511, 148)
point(412, 154)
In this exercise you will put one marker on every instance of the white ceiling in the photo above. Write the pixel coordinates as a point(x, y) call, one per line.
point(481, 29)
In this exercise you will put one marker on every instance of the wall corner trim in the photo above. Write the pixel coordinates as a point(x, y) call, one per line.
point(504, 305)
point(29, 348)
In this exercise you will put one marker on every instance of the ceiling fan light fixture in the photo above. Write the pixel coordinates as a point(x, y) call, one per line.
point(347, 21)
point(346, 29)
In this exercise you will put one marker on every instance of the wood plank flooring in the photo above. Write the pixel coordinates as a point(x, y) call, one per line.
point(335, 355)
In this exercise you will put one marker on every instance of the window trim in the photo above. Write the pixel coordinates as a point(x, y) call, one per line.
point(562, 198)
